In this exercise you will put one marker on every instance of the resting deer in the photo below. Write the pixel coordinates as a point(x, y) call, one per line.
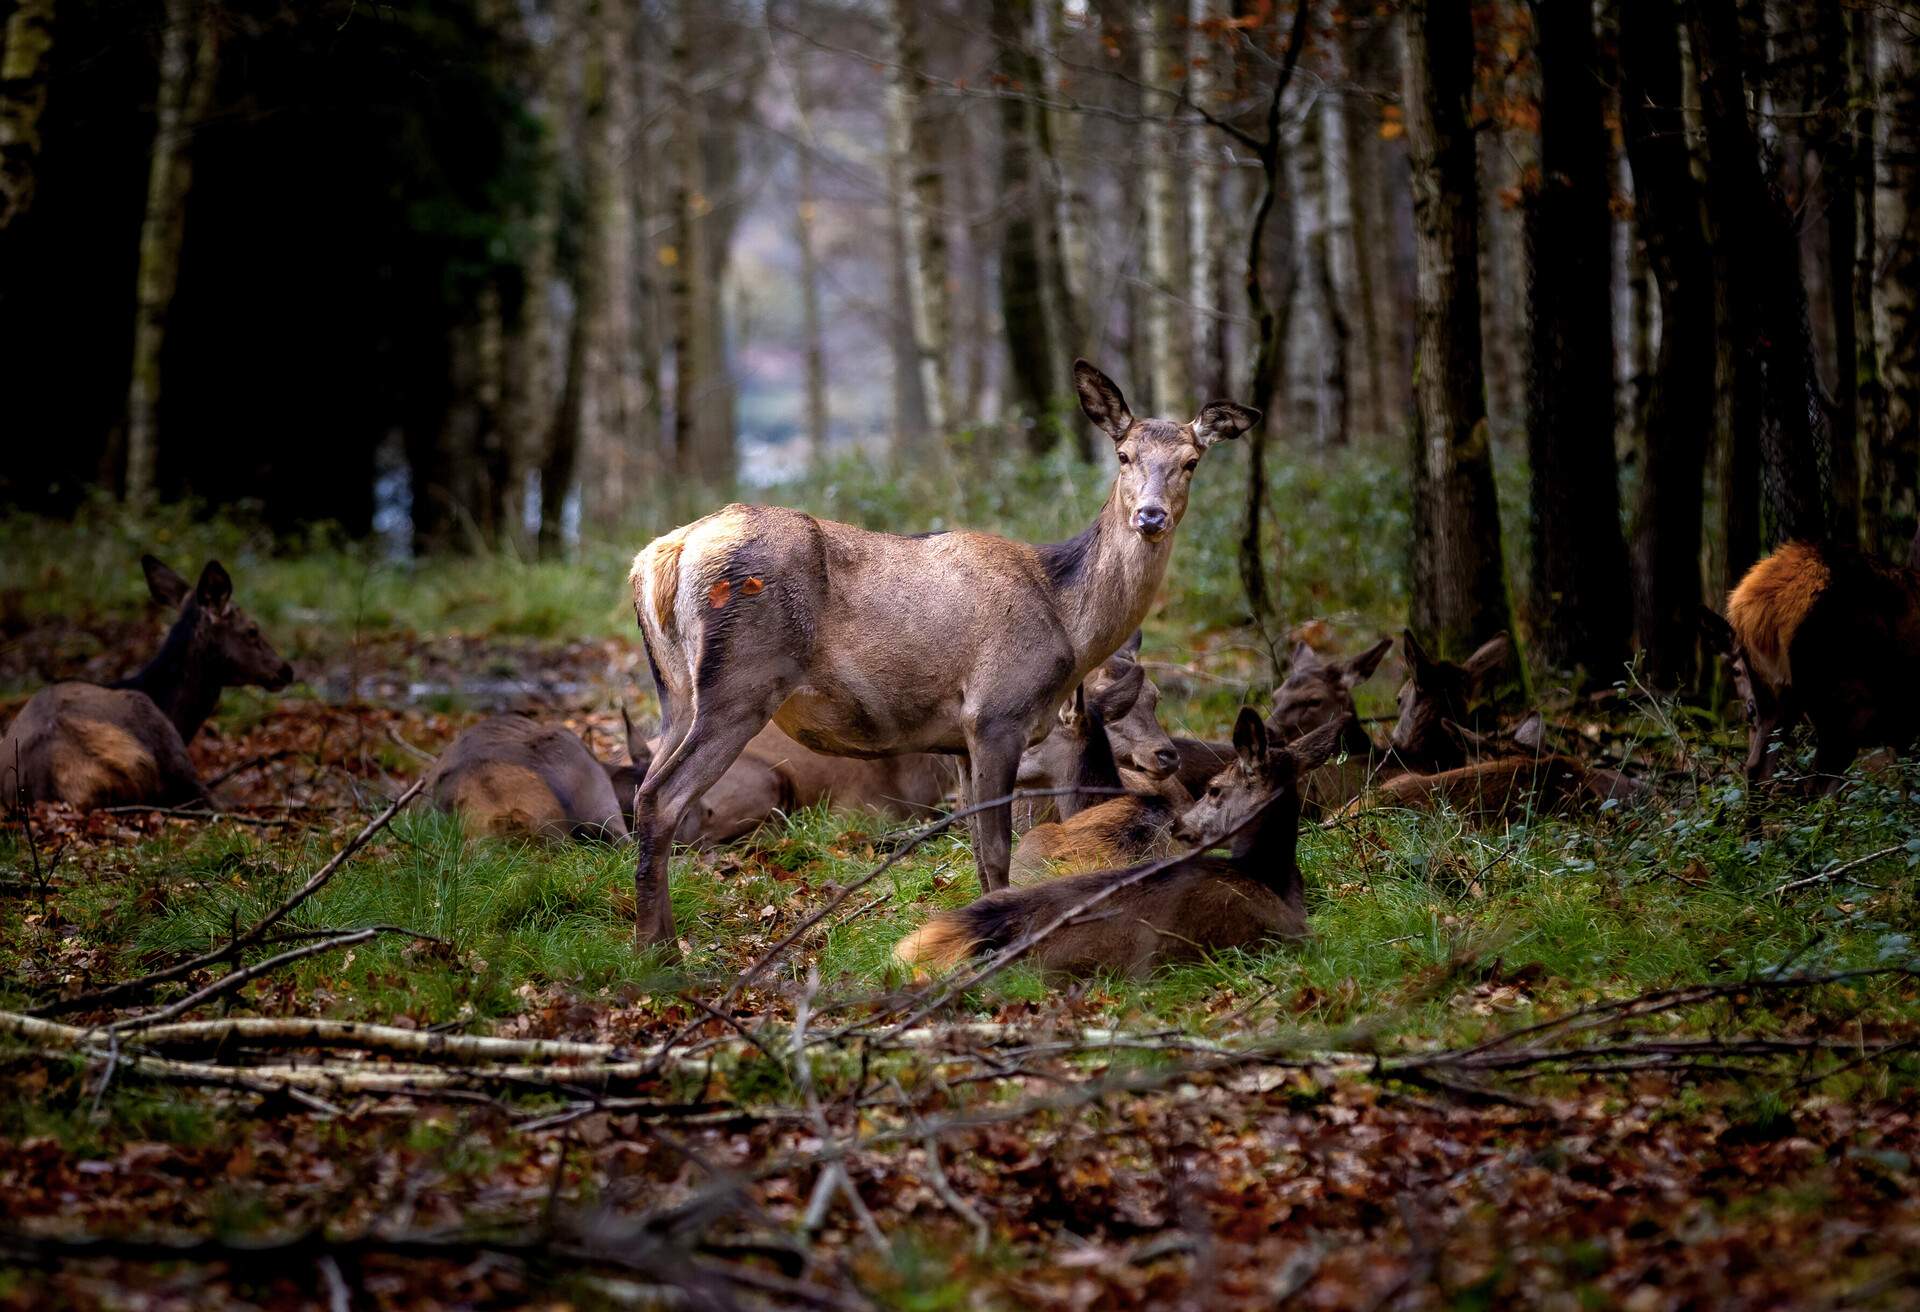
point(1099, 829)
point(1199, 905)
point(774, 774)
point(860, 643)
point(1131, 741)
point(514, 777)
point(125, 744)
point(1833, 635)
point(1435, 693)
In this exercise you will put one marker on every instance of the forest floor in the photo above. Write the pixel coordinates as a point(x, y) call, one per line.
point(1658, 1058)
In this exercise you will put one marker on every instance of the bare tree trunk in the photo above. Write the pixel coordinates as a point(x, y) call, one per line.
point(610, 405)
point(1459, 581)
point(1069, 222)
point(1322, 387)
point(1833, 130)
point(1579, 575)
point(1511, 157)
point(1367, 53)
point(1205, 247)
point(1870, 393)
point(1896, 311)
point(23, 100)
point(1168, 344)
point(1666, 564)
point(1030, 352)
point(915, 144)
point(188, 57)
point(1775, 393)
point(563, 441)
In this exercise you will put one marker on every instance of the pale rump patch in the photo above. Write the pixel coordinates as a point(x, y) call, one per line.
point(940, 944)
point(1770, 604)
point(99, 764)
point(505, 800)
point(656, 577)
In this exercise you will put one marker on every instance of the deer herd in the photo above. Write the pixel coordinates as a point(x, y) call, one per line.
point(800, 661)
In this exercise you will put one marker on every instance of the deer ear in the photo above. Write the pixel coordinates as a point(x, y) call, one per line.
point(1311, 750)
point(1418, 662)
point(1116, 695)
point(1131, 647)
point(1489, 656)
point(1532, 734)
point(1220, 420)
point(1101, 401)
point(1304, 658)
point(1715, 631)
point(215, 589)
point(1361, 667)
point(1072, 712)
point(163, 585)
point(1250, 739)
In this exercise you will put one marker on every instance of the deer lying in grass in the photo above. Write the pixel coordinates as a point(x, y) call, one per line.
point(1515, 775)
point(869, 644)
point(1437, 693)
point(1086, 749)
point(1133, 742)
point(1832, 635)
point(514, 777)
point(126, 744)
point(1198, 905)
point(776, 774)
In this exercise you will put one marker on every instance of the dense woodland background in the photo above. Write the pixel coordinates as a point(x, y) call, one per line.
point(487, 273)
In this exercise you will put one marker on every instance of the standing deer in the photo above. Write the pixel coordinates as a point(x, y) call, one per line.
point(859, 643)
point(91, 746)
point(1831, 634)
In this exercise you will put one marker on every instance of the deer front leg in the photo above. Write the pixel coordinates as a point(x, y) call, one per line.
point(994, 760)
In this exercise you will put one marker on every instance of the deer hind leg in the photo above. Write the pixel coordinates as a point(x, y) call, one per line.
point(714, 735)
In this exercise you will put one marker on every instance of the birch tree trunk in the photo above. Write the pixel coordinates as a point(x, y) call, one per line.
point(1459, 581)
point(188, 56)
point(1579, 575)
point(24, 65)
point(915, 145)
point(1205, 244)
point(1168, 345)
point(1320, 387)
point(812, 334)
point(1896, 309)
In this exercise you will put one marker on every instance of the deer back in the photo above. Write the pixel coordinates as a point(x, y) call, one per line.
point(511, 776)
point(93, 747)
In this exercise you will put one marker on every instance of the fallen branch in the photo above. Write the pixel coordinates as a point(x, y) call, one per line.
point(231, 950)
point(1834, 872)
point(194, 813)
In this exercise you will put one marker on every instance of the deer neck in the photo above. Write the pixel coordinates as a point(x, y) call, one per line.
point(179, 683)
point(1095, 769)
point(1105, 580)
point(1268, 849)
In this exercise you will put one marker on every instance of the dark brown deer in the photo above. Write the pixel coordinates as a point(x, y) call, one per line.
point(126, 744)
point(1199, 905)
point(1437, 692)
point(1831, 635)
point(1315, 692)
point(870, 644)
point(1099, 829)
point(515, 777)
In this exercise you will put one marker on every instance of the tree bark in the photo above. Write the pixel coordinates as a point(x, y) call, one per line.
point(188, 55)
point(24, 64)
point(1896, 311)
point(1030, 350)
point(1204, 245)
point(1870, 394)
point(1366, 53)
point(915, 144)
point(1833, 128)
point(1666, 565)
point(1581, 617)
point(1776, 406)
point(1168, 343)
point(1459, 581)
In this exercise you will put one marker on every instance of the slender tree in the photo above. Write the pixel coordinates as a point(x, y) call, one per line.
point(188, 55)
point(1030, 352)
point(1833, 128)
point(1668, 515)
point(1896, 462)
point(1579, 576)
point(915, 143)
point(1459, 580)
point(1168, 342)
point(24, 64)
point(1204, 246)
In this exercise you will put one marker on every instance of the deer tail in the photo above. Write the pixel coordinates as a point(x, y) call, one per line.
point(1768, 607)
point(940, 944)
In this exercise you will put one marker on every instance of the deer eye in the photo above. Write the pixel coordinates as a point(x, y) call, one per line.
point(1213, 791)
point(1125, 459)
point(1191, 465)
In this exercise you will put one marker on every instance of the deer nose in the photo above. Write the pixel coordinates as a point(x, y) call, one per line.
point(1150, 520)
point(1168, 759)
